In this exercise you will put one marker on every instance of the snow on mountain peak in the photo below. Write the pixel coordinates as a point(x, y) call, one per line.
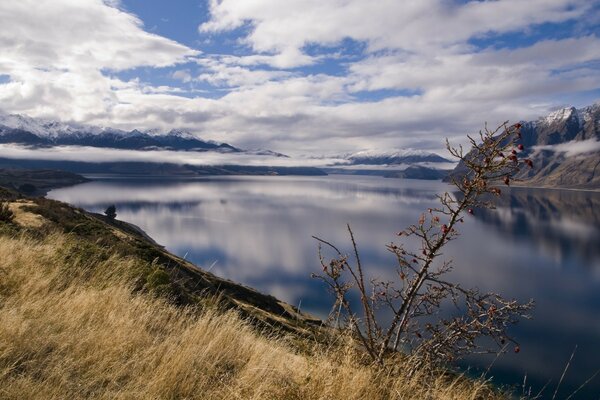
point(561, 115)
point(44, 127)
point(181, 133)
point(388, 153)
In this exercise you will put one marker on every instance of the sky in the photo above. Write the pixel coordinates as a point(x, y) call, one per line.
point(300, 76)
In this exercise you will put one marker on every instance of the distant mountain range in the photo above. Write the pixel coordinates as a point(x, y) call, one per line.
point(40, 133)
point(405, 164)
point(564, 148)
point(19, 129)
point(394, 157)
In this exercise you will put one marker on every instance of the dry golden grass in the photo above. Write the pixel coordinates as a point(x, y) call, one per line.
point(24, 218)
point(72, 327)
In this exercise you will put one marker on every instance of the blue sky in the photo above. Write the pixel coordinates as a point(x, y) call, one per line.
point(300, 76)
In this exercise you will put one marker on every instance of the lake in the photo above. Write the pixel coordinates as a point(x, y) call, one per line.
point(541, 244)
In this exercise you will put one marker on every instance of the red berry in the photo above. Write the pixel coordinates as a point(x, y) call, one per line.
point(470, 211)
point(514, 152)
point(507, 181)
point(520, 147)
point(517, 349)
point(518, 126)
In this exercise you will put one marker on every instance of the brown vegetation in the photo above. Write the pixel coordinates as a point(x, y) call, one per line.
point(75, 324)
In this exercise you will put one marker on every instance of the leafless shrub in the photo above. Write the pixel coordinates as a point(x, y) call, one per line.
point(415, 299)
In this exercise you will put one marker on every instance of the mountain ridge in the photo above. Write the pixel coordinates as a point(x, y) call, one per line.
point(564, 147)
point(25, 130)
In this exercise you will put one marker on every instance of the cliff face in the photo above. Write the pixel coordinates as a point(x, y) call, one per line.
point(564, 147)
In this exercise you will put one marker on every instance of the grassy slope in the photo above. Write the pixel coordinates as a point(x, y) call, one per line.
point(90, 309)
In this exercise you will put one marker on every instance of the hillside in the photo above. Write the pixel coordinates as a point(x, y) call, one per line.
point(37, 181)
point(93, 308)
point(564, 147)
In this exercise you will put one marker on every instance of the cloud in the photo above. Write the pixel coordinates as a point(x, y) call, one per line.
point(224, 72)
point(182, 75)
point(59, 56)
point(94, 35)
point(572, 148)
point(305, 77)
point(104, 155)
point(418, 25)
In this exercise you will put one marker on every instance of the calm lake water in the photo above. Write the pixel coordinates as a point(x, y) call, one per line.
point(541, 244)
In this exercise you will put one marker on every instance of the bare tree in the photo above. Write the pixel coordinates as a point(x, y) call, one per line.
point(414, 299)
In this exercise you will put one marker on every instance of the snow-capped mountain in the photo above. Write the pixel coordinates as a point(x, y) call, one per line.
point(24, 130)
point(564, 147)
point(406, 163)
point(393, 157)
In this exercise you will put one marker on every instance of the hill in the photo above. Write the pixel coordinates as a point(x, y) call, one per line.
point(37, 181)
point(564, 148)
point(92, 308)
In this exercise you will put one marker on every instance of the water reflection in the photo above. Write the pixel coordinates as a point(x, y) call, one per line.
point(561, 224)
point(257, 230)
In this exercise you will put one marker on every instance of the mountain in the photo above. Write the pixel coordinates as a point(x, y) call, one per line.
point(24, 130)
point(564, 147)
point(136, 168)
point(418, 172)
point(405, 164)
point(394, 157)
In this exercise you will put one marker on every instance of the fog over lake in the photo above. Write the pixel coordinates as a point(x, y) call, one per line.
point(541, 244)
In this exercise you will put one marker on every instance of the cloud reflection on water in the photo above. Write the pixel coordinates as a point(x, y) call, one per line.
point(540, 244)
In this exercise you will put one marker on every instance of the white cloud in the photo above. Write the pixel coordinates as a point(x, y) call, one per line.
point(572, 148)
point(100, 155)
point(80, 34)
point(412, 25)
point(182, 75)
point(440, 85)
point(226, 73)
point(57, 54)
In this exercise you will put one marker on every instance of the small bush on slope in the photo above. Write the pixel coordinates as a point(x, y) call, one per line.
point(6, 215)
